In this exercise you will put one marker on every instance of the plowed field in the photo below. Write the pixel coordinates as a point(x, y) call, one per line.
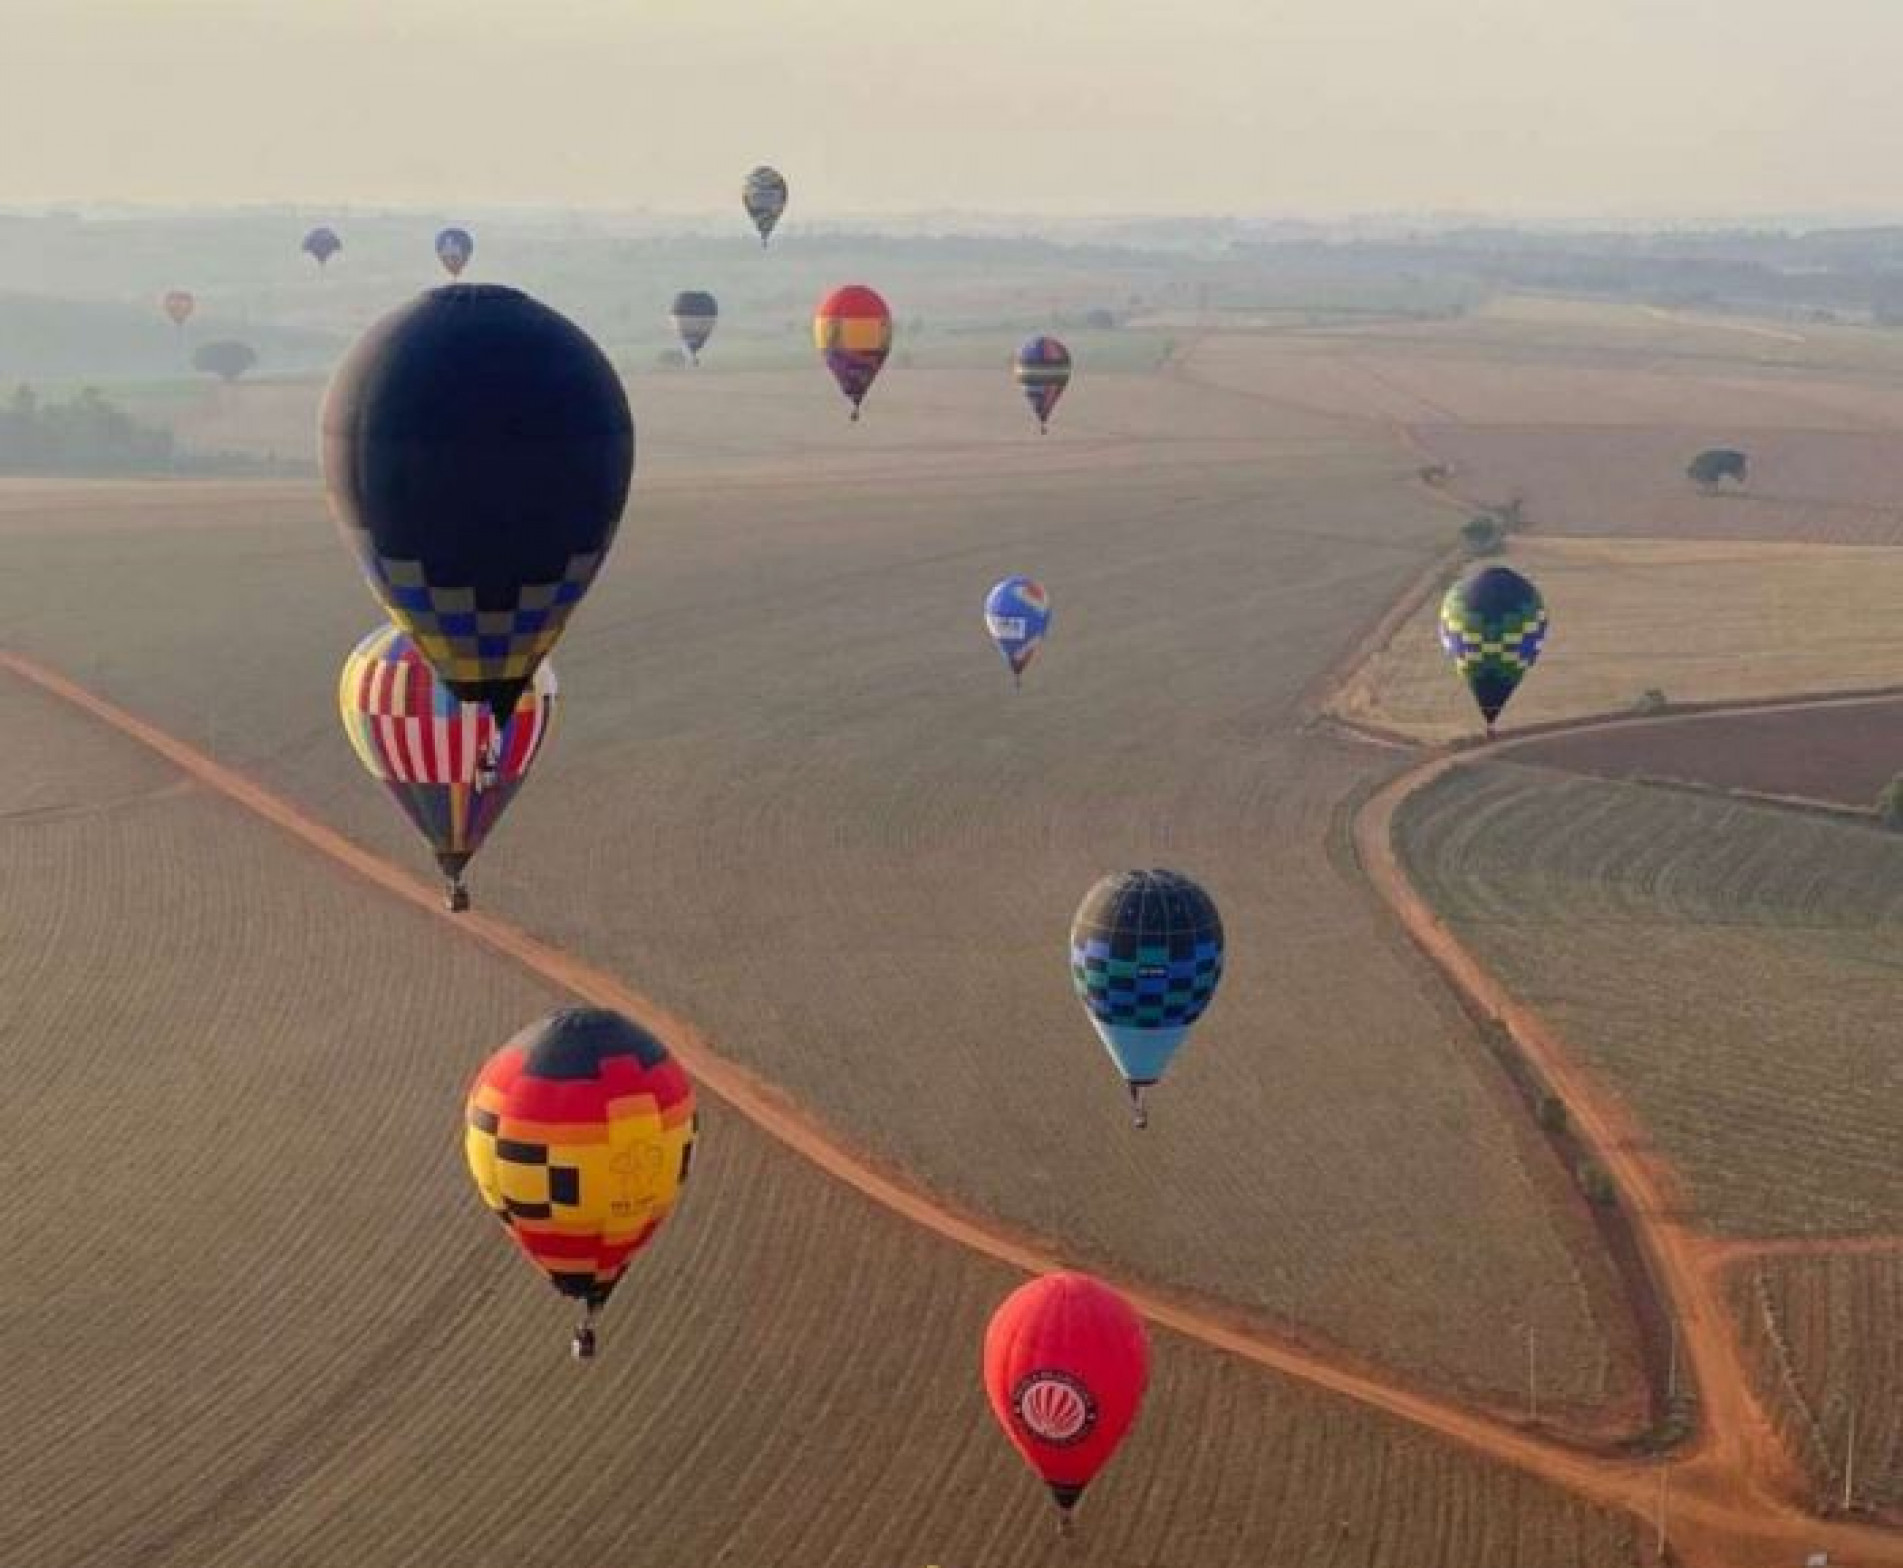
point(795, 797)
point(1841, 754)
point(1826, 1337)
point(1730, 969)
point(251, 1314)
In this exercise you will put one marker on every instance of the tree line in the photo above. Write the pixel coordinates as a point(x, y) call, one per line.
point(86, 435)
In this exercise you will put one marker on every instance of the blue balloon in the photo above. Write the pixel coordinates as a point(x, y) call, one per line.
point(1146, 951)
point(1017, 614)
point(454, 247)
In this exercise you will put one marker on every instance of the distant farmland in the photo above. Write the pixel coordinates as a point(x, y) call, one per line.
point(1824, 1335)
point(1698, 622)
point(1730, 969)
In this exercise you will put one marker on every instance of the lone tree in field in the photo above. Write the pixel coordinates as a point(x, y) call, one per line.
point(1890, 804)
point(227, 359)
point(1483, 535)
point(1710, 468)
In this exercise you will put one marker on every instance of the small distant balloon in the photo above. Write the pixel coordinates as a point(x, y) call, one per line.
point(454, 247)
point(322, 243)
point(1066, 1366)
point(1146, 955)
point(1493, 625)
point(579, 1134)
point(853, 331)
point(1042, 369)
point(179, 305)
point(764, 196)
point(1017, 614)
point(694, 313)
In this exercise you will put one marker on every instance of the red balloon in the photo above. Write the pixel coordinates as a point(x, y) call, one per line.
point(1066, 1364)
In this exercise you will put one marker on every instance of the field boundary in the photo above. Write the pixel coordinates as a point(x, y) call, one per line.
point(1728, 1519)
point(1739, 1458)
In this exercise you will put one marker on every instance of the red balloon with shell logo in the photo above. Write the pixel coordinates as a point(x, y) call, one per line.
point(1066, 1363)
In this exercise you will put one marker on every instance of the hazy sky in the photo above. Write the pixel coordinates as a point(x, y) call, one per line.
point(1533, 107)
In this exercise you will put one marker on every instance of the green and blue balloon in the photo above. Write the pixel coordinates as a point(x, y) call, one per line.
point(1493, 625)
point(1146, 955)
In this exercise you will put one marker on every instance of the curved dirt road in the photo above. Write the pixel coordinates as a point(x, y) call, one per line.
point(1728, 1496)
point(1736, 1485)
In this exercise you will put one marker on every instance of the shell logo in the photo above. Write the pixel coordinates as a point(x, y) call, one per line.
point(1055, 1408)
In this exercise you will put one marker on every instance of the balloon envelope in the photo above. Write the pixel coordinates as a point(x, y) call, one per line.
point(322, 243)
point(478, 449)
point(179, 306)
point(1493, 625)
point(579, 1133)
point(427, 747)
point(694, 313)
point(1042, 369)
point(1146, 954)
point(763, 194)
point(853, 331)
point(1017, 614)
point(454, 247)
point(1066, 1364)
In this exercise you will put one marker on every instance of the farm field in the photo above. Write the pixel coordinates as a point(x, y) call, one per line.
point(1729, 969)
point(1822, 1331)
point(1831, 485)
point(292, 1336)
point(1703, 622)
point(794, 797)
point(1840, 754)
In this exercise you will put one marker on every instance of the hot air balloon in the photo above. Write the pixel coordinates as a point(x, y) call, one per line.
point(1066, 1363)
point(478, 449)
point(1493, 624)
point(694, 313)
point(179, 306)
point(579, 1133)
point(454, 247)
point(853, 330)
point(441, 759)
point(1042, 369)
point(322, 243)
point(1146, 951)
point(764, 197)
point(1017, 614)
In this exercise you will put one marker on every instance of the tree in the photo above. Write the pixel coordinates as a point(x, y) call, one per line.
point(226, 358)
point(1890, 804)
point(1100, 320)
point(1719, 463)
point(1482, 534)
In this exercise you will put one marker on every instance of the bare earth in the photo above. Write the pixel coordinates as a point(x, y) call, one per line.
point(1839, 754)
point(345, 1361)
point(794, 794)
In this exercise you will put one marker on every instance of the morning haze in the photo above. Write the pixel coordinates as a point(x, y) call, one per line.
point(1658, 108)
point(1165, 790)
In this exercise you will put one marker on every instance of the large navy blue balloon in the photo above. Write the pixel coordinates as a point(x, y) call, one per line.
point(478, 448)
